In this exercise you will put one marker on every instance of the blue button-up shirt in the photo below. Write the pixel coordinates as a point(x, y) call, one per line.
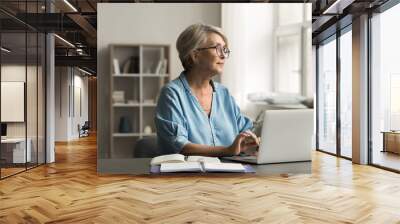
point(180, 119)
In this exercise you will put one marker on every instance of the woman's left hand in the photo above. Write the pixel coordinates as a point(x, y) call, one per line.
point(251, 141)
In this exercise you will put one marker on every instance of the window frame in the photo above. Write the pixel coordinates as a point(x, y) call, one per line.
point(381, 9)
point(334, 37)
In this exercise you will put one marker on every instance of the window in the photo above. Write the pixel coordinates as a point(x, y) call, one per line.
point(394, 102)
point(327, 96)
point(291, 47)
point(22, 66)
point(385, 89)
point(289, 63)
point(346, 93)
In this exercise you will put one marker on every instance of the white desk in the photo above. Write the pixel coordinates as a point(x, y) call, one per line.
point(16, 147)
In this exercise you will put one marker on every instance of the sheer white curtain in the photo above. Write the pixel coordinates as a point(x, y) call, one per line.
point(233, 23)
point(249, 29)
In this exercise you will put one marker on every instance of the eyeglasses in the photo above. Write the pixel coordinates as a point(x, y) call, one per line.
point(221, 51)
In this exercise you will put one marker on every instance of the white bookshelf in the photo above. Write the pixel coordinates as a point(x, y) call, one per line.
point(142, 73)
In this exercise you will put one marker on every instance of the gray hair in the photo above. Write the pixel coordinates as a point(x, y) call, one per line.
point(191, 38)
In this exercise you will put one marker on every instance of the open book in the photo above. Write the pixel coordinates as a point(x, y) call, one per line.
point(180, 163)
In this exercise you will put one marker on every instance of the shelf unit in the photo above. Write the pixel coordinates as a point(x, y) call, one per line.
point(142, 71)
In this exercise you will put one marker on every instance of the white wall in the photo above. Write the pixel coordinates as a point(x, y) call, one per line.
point(17, 73)
point(33, 126)
point(61, 103)
point(141, 23)
point(149, 24)
point(14, 73)
point(80, 83)
point(66, 121)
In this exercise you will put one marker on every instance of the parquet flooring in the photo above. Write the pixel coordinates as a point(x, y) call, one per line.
point(70, 191)
point(10, 171)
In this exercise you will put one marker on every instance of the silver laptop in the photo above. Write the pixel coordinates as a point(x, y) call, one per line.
point(286, 136)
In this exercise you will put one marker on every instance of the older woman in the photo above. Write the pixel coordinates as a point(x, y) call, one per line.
point(195, 115)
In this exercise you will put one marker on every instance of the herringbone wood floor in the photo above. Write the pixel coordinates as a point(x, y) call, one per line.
point(70, 191)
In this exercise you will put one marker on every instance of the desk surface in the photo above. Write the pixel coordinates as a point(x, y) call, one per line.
point(137, 166)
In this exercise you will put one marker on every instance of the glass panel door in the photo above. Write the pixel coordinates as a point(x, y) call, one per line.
point(327, 96)
point(385, 84)
point(346, 94)
point(14, 152)
point(22, 92)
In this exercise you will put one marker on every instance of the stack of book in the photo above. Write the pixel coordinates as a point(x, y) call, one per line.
point(161, 67)
point(180, 163)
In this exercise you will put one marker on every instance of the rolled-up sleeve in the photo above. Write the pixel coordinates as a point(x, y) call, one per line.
point(170, 123)
point(243, 122)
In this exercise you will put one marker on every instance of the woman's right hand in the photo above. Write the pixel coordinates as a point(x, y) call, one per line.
point(240, 145)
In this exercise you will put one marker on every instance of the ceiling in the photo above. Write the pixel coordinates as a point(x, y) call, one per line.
point(76, 22)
